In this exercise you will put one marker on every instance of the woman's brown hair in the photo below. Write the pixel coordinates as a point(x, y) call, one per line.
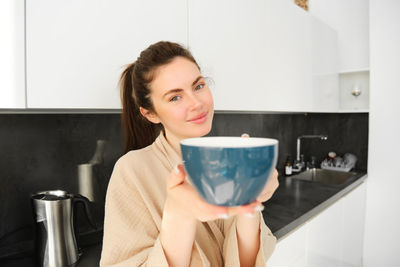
point(138, 132)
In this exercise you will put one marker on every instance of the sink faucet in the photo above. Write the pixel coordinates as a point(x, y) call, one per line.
point(299, 165)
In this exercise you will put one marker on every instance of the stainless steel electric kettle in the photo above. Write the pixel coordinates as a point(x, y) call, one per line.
point(55, 238)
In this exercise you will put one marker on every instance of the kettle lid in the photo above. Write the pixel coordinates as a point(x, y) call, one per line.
point(51, 195)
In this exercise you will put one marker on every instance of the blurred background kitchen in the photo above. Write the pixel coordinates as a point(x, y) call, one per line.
point(280, 69)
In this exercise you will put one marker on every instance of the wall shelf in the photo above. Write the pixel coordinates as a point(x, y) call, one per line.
point(353, 71)
point(354, 111)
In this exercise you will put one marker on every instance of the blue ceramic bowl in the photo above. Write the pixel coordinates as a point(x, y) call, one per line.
point(229, 171)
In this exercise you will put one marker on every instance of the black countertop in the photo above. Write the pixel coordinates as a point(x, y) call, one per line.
point(293, 203)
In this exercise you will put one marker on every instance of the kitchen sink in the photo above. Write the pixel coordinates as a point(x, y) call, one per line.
point(325, 176)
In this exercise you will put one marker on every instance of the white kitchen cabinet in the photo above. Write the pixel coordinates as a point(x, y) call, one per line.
point(258, 53)
point(325, 67)
point(336, 235)
point(333, 237)
point(291, 249)
point(353, 227)
point(351, 21)
point(12, 54)
point(76, 50)
point(325, 237)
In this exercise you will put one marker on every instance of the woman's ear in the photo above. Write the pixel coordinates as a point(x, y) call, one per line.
point(149, 115)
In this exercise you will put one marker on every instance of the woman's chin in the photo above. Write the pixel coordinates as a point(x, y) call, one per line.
point(200, 131)
point(206, 130)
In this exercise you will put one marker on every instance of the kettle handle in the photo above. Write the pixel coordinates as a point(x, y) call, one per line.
point(77, 198)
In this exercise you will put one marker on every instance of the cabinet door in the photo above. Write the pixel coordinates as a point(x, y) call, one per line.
point(12, 54)
point(336, 235)
point(350, 20)
point(325, 67)
point(258, 53)
point(290, 251)
point(76, 50)
point(325, 237)
point(353, 230)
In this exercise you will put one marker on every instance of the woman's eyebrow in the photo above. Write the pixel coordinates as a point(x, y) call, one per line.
point(197, 79)
point(177, 90)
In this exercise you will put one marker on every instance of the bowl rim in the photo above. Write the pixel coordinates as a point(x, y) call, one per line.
point(233, 142)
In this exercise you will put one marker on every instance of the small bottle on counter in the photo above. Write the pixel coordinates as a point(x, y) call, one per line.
point(288, 166)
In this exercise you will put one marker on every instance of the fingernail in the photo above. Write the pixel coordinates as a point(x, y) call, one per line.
point(176, 169)
point(223, 216)
point(250, 215)
point(259, 208)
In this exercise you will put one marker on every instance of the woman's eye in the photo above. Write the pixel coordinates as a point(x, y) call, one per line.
point(175, 98)
point(200, 86)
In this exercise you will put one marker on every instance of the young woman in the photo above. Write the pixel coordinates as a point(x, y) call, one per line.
point(153, 216)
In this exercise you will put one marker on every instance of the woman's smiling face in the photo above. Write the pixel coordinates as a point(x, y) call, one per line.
point(181, 99)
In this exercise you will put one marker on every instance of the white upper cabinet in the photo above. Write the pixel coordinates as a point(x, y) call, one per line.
point(258, 53)
point(325, 67)
point(12, 52)
point(76, 50)
point(267, 55)
point(351, 20)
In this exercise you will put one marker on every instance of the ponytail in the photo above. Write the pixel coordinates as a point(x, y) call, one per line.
point(138, 132)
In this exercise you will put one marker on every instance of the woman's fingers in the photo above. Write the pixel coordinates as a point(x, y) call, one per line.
point(206, 208)
point(249, 209)
point(176, 177)
point(270, 188)
point(186, 200)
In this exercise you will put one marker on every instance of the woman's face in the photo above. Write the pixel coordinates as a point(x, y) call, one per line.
point(182, 100)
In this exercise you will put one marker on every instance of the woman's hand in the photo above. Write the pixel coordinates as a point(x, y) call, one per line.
point(184, 201)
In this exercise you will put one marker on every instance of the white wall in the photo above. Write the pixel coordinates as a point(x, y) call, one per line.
point(382, 229)
point(350, 19)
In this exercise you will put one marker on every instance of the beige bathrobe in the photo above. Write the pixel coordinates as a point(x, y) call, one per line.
point(133, 213)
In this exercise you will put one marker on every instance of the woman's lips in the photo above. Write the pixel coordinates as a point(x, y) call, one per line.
point(199, 119)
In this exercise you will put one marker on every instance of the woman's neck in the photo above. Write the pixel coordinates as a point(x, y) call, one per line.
point(174, 142)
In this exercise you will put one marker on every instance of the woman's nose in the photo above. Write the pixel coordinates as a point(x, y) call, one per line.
point(195, 101)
